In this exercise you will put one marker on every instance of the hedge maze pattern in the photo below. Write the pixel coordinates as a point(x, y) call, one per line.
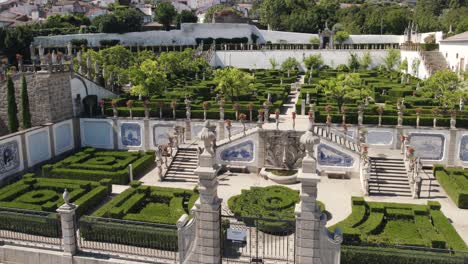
point(45, 195)
point(455, 183)
point(159, 207)
point(399, 224)
point(91, 164)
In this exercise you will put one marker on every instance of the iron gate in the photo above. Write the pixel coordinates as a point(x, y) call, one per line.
point(256, 240)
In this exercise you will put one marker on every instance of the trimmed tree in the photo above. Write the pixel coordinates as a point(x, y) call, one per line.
point(26, 114)
point(13, 123)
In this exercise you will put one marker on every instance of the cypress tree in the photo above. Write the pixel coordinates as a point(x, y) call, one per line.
point(13, 123)
point(26, 114)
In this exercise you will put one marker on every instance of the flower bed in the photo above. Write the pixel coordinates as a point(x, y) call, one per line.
point(159, 207)
point(399, 224)
point(94, 165)
point(455, 184)
point(45, 195)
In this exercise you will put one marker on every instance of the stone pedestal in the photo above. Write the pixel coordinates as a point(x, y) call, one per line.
point(67, 219)
point(303, 105)
point(452, 148)
point(221, 129)
point(188, 130)
point(207, 209)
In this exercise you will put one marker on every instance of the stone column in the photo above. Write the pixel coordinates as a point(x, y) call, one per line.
point(307, 212)
point(67, 219)
point(303, 105)
point(207, 210)
point(452, 146)
point(314, 245)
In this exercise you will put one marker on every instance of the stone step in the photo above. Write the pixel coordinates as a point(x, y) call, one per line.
point(389, 189)
point(391, 173)
point(387, 163)
point(184, 165)
point(387, 181)
point(392, 194)
point(182, 175)
point(389, 186)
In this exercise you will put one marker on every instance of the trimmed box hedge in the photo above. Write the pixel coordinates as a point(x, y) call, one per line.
point(94, 165)
point(455, 183)
point(45, 196)
point(399, 224)
point(271, 207)
point(158, 206)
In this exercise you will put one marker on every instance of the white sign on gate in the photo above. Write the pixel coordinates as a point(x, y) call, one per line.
point(237, 235)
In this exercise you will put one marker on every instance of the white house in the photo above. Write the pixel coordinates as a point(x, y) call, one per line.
point(455, 51)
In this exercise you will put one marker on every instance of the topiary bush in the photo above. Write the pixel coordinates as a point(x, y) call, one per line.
point(91, 164)
point(157, 205)
point(392, 224)
point(455, 183)
point(265, 205)
point(45, 195)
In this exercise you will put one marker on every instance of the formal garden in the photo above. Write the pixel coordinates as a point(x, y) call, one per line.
point(455, 183)
point(38, 199)
point(393, 224)
point(94, 165)
point(121, 220)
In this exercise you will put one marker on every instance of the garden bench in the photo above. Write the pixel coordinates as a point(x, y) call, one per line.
point(337, 174)
point(237, 168)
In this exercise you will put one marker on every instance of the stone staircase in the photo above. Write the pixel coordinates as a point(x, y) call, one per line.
point(388, 177)
point(338, 138)
point(430, 188)
point(183, 165)
point(434, 61)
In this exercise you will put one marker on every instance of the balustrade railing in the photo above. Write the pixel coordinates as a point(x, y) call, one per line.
point(30, 228)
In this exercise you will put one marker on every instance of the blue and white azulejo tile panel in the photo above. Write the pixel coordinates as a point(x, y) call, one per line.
point(379, 138)
point(240, 152)
point(130, 134)
point(428, 146)
point(464, 148)
point(329, 156)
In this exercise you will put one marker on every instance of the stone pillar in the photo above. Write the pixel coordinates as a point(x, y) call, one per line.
point(50, 126)
point(307, 212)
point(188, 130)
point(313, 242)
point(452, 146)
point(115, 130)
point(146, 135)
point(207, 210)
point(303, 105)
point(67, 219)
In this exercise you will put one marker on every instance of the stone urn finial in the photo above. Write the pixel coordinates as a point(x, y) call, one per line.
point(66, 197)
point(207, 136)
point(308, 140)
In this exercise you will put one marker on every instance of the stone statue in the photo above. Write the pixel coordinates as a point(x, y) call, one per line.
point(88, 66)
point(208, 138)
point(187, 107)
point(400, 118)
point(66, 197)
point(69, 49)
point(462, 103)
point(360, 114)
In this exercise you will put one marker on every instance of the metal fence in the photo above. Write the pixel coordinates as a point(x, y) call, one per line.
point(249, 240)
point(128, 239)
point(30, 228)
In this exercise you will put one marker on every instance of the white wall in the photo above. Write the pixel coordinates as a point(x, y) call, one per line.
point(190, 31)
point(261, 59)
point(450, 50)
point(411, 56)
point(38, 146)
point(77, 87)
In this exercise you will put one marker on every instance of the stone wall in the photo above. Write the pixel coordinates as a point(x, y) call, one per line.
point(50, 98)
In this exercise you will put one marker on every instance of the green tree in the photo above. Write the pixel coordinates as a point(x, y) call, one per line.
point(186, 16)
point(165, 14)
point(366, 60)
point(341, 36)
point(233, 82)
point(444, 87)
point(404, 65)
point(290, 64)
point(345, 86)
point(273, 63)
point(271, 12)
point(13, 123)
point(25, 112)
point(392, 59)
point(353, 61)
point(147, 78)
point(122, 20)
point(217, 8)
point(313, 62)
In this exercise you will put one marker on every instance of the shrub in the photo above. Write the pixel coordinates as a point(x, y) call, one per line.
point(45, 195)
point(93, 165)
point(399, 224)
point(455, 183)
